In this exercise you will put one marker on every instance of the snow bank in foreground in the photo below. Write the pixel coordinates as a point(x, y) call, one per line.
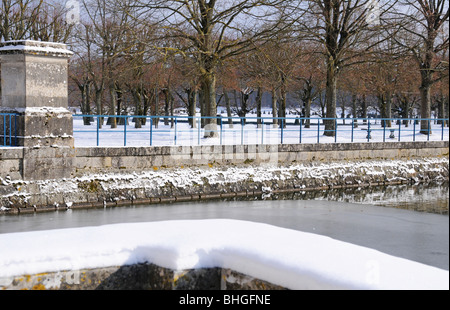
point(289, 258)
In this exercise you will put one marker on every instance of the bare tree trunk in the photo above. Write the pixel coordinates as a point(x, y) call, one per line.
point(330, 100)
point(119, 101)
point(227, 103)
point(138, 107)
point(354, 111)
point(85, 100)
point(201, 98)
point(145, 105)
point(258, 106)
point(446, 110)
point(274, 108)
point(388, 122)
point(343, 108)
point(282, 107)
point(171, 112)
point(156, 99)
point(211, 106)
point(364, 108)
point(306, 95)
point(112, 94)
point(99, 105)
point(441, 108)
point(282, 103)
point(425, 108)
point(192, 106)
point(308, 112)
point(166, 106)
point(406, 108)
point(244, 109)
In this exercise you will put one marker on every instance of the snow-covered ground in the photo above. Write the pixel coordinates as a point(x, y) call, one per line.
point(181, 134)
point(289, 258)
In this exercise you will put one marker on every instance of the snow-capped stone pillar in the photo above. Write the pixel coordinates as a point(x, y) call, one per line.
point(34, 85)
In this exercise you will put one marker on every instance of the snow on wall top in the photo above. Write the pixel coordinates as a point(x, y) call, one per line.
point(35, 48)
point(289, 258)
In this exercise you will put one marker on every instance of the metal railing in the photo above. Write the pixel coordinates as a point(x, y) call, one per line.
point(178, 130)
point(8, 129)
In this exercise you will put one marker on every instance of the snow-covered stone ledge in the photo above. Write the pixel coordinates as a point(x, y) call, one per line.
point(282, 257)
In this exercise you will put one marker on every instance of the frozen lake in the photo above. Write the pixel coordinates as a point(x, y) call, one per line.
point(418, 236)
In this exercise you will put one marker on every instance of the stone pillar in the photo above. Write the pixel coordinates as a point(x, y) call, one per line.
point(34, 85)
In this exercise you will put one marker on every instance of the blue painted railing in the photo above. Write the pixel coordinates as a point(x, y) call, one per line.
point(8, 129)
point(288, 128)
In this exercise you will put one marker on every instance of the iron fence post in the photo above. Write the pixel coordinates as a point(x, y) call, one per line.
point(199, 125)
point(262, 131)
point(335, 130)
point(175, 138)
point(10, 130)
point(301, 125)
point(4, 130)
point(15, 130)
point(221, 131)
point(353, 127)
point(98, 130)
point(125, 132)
point(242, 131)
point(318, 131)
point(151, 131)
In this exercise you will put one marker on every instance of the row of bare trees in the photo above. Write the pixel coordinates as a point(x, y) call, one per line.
point(150, 56)
point(34, 20)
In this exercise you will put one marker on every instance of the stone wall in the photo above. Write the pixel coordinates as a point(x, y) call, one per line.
point(114, 177)
point(81, 161)
point(89, 160)
point(137, 277)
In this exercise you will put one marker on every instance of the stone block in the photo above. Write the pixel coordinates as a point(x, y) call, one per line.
point(48, 163)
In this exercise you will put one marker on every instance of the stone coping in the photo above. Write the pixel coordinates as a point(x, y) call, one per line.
point(313, 147)
point(39, 48)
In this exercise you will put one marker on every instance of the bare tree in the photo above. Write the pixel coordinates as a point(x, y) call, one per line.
point(102, 44)
point(17, 18)
point(215, 30)
point(424, 34)
point(34, 20)
point(51, 25)
point(346, 30)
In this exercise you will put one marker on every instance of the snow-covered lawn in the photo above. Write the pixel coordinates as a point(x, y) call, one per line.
point(289, 258)
point(181, 134)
